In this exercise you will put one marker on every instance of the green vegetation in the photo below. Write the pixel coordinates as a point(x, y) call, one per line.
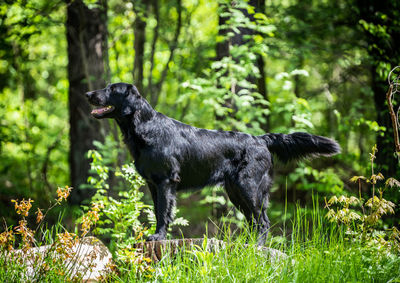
point(324, 255)
point(316, 250)
point(252, 66)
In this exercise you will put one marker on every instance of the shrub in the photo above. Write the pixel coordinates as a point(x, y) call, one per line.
point(60, 259)
point(363, 218)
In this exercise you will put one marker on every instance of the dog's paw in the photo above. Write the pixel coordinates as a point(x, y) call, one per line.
point(156, 237)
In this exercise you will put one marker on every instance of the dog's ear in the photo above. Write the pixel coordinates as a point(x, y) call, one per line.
point(128, 105)
point(134, 90)
point(132, 100)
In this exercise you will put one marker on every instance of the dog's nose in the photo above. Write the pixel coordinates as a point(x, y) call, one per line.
point(89, 94)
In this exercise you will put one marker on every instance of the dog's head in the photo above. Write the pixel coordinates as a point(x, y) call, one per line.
point(114, 101)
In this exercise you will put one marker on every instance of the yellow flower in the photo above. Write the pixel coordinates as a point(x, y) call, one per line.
point(22, 207)
point(7, 240)
point(63, 193)
point(91, 217)
point(40, 216)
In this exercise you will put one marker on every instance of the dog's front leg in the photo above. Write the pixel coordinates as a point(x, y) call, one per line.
point(164, 204)
point(153, 191)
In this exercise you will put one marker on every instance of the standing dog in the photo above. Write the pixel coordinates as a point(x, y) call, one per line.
point(172, 156)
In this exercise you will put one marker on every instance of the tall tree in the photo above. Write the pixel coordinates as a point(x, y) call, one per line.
point(380, 22)
point(87, 49)
point(139, 30)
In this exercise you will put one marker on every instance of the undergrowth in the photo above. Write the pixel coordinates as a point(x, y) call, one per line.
point(316, 251)
point(347, 242)
point(37, 253)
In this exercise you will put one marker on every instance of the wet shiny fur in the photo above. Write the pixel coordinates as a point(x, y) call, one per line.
point(173, 156)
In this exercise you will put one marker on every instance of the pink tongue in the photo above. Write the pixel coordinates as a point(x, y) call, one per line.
point(99, 110)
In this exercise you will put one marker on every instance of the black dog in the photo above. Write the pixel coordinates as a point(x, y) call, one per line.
point(173, 156)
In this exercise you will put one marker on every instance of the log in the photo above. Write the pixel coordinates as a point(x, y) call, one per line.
point(156, 250)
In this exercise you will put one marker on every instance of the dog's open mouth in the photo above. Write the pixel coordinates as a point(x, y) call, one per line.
point(103, 110)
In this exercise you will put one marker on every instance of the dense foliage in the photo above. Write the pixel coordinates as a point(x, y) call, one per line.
point(316, 76)
point(251, 65)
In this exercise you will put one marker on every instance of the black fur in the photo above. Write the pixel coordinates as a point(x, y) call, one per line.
point(173, 156)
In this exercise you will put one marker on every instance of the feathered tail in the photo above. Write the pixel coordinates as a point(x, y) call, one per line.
point(299, 145)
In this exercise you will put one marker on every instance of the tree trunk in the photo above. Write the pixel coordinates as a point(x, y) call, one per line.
point(261, 81)
point(86, 36)
point(382, 49)
point(139, 30)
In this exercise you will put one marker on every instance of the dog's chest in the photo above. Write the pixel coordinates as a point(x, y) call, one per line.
point(151, 163)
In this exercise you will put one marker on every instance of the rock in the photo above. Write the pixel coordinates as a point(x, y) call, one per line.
point(87, 260)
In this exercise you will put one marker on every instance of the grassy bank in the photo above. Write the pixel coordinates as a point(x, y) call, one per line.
point(316, 251)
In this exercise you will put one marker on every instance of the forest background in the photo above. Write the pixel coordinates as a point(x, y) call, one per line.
point(252, 66)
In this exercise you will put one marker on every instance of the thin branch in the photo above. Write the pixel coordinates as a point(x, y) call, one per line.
point(44, 216)
point(116, 39)
point(185, 110)
point(46, 162)
point(393, 116)
point(172, 47)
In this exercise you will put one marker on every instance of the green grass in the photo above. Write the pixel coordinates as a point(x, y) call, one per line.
point(317, 251)
point(312, 264)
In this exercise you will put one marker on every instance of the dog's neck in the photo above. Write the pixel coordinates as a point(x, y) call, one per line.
point(130, 126)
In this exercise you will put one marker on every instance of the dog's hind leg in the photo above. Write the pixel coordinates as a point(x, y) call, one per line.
point(263, 223)
point(259, 207)
point(252, 187)
point(235, 197)
point(255, 210)
point(163, 205)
